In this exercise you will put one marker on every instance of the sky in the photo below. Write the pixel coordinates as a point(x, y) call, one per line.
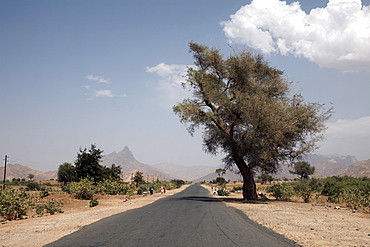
point(75, 73)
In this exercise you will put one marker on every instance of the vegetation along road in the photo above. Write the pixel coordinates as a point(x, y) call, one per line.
point(189, 218)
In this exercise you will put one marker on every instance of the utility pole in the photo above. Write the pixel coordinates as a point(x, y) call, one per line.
point(6, 159)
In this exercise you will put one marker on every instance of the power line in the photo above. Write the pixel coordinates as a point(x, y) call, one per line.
point(17, 160)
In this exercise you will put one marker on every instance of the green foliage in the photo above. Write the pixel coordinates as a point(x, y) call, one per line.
point(138, 178)
point(221, 181)
point(140, 191)
point(306, 189)
point(158, 184)
point(223, 192)
point(178, 183)
point(112, 173)
point(354, 192)
point(282, 191)
point(50, 207)
point(67, 173)
point(248, 112)
point(87, 163)
point(33, 186)
point(266, 178)
point(44, 193)
point(94, 202)
point(14, 204)
point(303, 169)
point(84, 190)
point(111, 187)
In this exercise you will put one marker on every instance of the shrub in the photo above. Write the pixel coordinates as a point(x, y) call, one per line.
point(305, 189)
point(223, 192)
point(94, 202)
point(50, 207)
point(178, 183)
point(111, 187)
point(13, 204)
point(83, 190)
point(33, 186)
point(282, 191)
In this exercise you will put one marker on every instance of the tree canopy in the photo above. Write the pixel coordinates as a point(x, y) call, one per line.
point(88, 165)
point(248, 112)
point(303, 169)
point(67, 173)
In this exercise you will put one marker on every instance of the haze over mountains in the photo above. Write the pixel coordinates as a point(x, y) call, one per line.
point(326, 165)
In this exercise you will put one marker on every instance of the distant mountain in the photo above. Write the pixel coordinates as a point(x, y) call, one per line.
point(325, 165)
point(128, 163)
point(341, 159)
point(187, 173)
point(230, 175)
point(128, 176)
point(20, 171)
point(358, 169)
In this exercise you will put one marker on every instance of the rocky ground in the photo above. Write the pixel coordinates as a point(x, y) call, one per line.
point(307, 224)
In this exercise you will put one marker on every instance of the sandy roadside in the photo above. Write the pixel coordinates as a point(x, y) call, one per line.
point(35, 232)
point(306, 223)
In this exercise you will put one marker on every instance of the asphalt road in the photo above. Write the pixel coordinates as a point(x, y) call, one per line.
point(189, 218)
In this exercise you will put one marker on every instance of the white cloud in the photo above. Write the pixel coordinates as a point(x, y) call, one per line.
point(348, 136)
point(172, 76)
point(106, 93)
point(99, 79)
point(337, 36)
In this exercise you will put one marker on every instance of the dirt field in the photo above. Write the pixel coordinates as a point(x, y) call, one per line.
point(307, 224)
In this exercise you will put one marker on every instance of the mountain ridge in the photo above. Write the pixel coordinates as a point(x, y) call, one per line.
point(325, 165)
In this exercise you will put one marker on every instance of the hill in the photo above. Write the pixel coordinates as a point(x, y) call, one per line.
point(129, 164)
point(20, 171)
point(187, 173)
point(325, 165)
point(358, 169)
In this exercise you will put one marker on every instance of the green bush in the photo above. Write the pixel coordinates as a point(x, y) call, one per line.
point(94, 202)
point(178, 183)
point(84, 190)
point(14, 204)
point(354, 192)
point(223, 192)
point(111, 187)
point(282, 191)
point(50, 207)
point(33, 186)
point(306, 189)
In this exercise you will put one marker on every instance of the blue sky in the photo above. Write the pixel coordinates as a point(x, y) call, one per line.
point(74, 73)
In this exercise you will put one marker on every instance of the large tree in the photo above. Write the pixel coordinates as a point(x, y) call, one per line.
point(248, 113)
point(87, 163)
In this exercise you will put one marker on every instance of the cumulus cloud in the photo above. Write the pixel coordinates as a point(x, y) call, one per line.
point(348, 136)
point(337, 36)
point(99, 79)
point(172, 76)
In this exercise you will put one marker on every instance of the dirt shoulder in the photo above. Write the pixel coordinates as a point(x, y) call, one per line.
point(308, 224)
point(34, 232)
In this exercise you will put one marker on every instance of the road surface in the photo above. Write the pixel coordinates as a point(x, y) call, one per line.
point(190, 218)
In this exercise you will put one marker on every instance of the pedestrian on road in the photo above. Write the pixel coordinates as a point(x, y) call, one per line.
point(151, 190)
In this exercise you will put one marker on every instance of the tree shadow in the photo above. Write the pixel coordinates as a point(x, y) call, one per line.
point(222, 199)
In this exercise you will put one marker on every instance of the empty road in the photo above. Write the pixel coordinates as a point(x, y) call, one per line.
point(189, 218)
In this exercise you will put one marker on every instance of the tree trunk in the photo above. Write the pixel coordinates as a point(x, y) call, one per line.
point(249, 186)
